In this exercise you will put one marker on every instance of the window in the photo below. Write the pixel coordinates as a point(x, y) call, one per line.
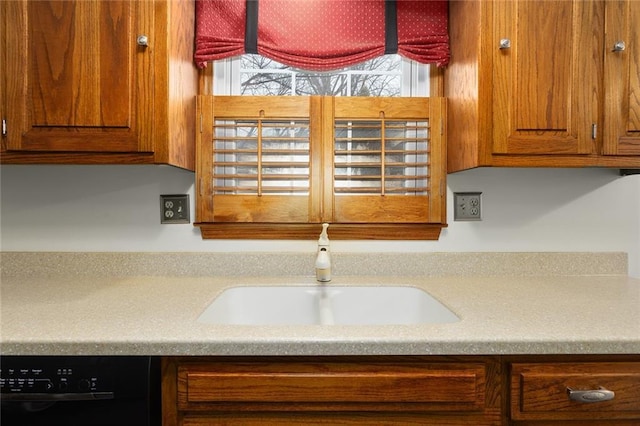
point(283, 150)
point(386, 76)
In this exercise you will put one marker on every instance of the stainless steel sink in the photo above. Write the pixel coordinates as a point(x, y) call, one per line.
point(326, 305)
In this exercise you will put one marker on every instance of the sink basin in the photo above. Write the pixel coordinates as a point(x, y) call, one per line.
point(326, 305)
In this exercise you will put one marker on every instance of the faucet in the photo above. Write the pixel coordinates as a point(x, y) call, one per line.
point(323, 259)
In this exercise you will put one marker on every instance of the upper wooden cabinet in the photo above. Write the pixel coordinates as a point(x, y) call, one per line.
point(622, 78)
point(98, 82)
point(546, 74)
point(527, 84)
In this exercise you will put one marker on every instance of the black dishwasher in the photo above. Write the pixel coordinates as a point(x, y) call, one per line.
point(80, 390)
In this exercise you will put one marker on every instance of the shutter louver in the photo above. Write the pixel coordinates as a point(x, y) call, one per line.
point(381, 157)
point(261, 157)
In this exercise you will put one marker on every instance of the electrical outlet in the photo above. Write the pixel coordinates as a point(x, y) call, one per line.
point(174, 209)
point(467, 206)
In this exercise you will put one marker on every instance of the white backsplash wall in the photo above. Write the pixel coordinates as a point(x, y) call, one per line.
point(117, 208)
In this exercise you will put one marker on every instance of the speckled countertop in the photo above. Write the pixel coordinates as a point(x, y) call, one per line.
point(84, 304)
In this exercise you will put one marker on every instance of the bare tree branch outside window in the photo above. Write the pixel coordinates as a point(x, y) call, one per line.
point(380, 76)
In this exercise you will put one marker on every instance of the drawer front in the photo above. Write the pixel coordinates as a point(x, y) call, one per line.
point(322, 386)
point(598, 391)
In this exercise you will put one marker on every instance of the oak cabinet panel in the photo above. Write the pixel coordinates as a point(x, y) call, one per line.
point(343, 390)
point(622, 78)
point(541, 391)
point(546, 76)
point(80, 87)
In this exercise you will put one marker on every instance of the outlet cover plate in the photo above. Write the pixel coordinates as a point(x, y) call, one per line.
point(467, 206)
point(174, 208)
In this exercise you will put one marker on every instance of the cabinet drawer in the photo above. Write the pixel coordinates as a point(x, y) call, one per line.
point(541, 391)
point(323, 386)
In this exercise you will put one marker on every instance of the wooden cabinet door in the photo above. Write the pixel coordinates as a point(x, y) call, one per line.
point(331, 390)
point(547, 76)
point(76, 80)
point(622, 78)
point(551, 391)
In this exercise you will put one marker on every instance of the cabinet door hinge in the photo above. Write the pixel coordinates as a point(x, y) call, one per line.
point(201, 123)
point(594, 131)
point(4, 127)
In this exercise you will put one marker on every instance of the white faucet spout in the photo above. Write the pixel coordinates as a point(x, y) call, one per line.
point(323, 259)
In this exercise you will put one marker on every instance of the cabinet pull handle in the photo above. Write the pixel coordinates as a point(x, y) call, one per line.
point(505, 43)
point(142, 40)
point(619, 46)
point(592, 395)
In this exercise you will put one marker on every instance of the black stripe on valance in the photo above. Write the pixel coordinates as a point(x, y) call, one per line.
point(390, 27)
point(251, 29)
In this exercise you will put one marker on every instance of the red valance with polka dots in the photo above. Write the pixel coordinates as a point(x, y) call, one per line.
point(322, 35)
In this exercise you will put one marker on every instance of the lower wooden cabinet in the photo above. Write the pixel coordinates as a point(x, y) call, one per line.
point(321, 390)
point(402, 390)
point(576, 391)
